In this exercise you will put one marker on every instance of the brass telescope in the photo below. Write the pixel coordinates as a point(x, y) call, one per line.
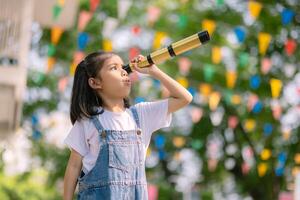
point(172, 50)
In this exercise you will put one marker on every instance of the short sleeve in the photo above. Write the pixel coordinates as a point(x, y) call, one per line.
point(154, 115)
point(76, 139)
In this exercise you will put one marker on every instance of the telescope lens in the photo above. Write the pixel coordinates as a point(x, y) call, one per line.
point(127, 68)
point(203, 37)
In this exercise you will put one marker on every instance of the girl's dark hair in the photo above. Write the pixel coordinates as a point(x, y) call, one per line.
point(84, 99)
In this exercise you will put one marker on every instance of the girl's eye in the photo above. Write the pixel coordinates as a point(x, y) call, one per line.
point(114, 67)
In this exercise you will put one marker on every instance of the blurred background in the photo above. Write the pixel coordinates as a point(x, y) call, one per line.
point(238, 139)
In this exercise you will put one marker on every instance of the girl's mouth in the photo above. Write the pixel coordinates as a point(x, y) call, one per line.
point(127, 82)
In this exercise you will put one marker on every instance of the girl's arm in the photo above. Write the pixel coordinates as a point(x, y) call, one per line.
point(179, 96)
point(72, 172)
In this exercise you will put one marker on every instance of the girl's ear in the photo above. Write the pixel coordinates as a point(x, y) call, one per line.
point(95, 83)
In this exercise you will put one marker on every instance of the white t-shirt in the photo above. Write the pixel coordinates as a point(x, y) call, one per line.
point(84, 137)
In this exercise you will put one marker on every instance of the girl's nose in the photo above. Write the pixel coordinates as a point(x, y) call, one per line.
point(124, 72)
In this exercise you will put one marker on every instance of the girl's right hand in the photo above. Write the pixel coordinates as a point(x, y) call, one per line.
point(145, 70)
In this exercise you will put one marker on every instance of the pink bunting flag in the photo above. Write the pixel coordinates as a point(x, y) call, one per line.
point(152, 192)
point(153, 14)
point(78, 57)
point(184, 65)
point(252, 101)
point(62, 83)
point(245, 168)
point(232, 121)
point(196, 114)
point(84, 18)
point(276, 109)
point(266, 65)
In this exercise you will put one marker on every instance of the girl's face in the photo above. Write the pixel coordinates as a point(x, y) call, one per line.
point(115, 82)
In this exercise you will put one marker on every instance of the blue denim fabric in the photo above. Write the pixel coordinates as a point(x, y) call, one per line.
point(119, 172)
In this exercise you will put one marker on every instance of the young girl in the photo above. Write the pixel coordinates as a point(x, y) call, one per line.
point(109, 138)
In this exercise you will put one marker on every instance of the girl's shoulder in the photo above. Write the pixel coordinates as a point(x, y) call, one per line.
point(84, 124)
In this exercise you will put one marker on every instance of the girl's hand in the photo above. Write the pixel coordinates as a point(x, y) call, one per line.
point(145, 70)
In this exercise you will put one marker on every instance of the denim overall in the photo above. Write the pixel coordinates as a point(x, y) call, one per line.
point(119, 172)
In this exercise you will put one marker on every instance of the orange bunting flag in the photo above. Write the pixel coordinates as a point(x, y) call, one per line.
point(276, 86)
point(56, 33)
point(50, 64)
point(297, 158)
point(214, 100)
point(262, 169)
point(209, 25)
point(107, 45)
point(231, 78)
point(178, 141)
point(216, 55)
point(205, 89)
point(264, 40)
point(84, 18)
point(61, 2)
point(254, 8)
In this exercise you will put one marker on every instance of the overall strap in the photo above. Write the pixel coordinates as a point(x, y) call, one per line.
point(97, 123)
point(135, 116)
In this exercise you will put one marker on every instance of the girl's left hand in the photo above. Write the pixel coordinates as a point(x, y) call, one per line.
point(145, 70)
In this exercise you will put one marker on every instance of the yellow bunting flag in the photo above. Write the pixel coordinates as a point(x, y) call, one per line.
point(249, 125)
point(205, 89)
point(262, 169)
point(178, 141)
point(209, 25)
point(264, 40)
point(77, 58)
point(148, 153)
point(214, 100)
point(236, 99)
point(183, 81)
point(50, 64)
point(254, 8)
point(265, 154)
point(56, 32)
point(216, 55)
point(72, 68)
point(276, 86)
point(107, 45)
point(230, 79)
point(158, 38)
